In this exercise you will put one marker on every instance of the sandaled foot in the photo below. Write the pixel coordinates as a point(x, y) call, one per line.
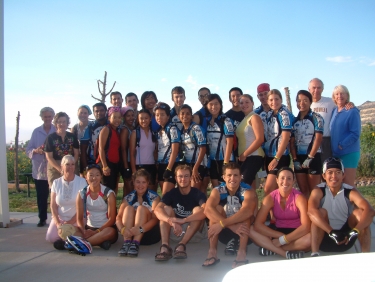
point(180, 254)
point(237, 263)
point(164, 256)
point(210, 262)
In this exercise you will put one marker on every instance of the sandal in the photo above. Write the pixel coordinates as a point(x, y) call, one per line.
point(216, 261)
point(238, 263)
point(180, 254)
point(164, 256)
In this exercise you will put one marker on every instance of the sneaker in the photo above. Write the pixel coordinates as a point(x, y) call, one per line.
point(41, 223)
point(133, 250)
point(59, 245)
point(231, 247)
point(265, 252)
point(315, 255)
point(105, 245)
point(123, 252)
point(294, 254)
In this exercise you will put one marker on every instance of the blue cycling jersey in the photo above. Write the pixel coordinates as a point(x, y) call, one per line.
point(276, 123)
point(147, 199)
point(173, 118)
point(304, 131)
point(89, 137)
point(170, 134)
point(217, 133)
point(232, 204)
point(264, 115)
point(192, 140)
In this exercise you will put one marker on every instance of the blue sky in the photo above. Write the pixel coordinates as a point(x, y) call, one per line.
point(56, 50)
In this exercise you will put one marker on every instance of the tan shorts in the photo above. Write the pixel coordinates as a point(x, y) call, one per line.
point(197, 237)
point(52, 173)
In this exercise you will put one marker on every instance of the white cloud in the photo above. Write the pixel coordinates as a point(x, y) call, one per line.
point(372, 64)
point(192, 81)
point(163, 79)
point(339, 59)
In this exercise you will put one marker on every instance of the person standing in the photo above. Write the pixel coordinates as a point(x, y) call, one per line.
point(35, 152)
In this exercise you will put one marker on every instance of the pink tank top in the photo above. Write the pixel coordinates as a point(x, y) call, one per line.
point(290, 217)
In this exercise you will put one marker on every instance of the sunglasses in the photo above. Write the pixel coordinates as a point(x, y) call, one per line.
point(93, 166)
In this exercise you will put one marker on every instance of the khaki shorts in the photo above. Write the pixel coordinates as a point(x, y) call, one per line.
point(197, 237)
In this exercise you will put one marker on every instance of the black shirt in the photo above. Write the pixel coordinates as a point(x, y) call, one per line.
point(183, 205)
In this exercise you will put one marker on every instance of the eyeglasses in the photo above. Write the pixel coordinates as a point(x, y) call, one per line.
point(202, 96)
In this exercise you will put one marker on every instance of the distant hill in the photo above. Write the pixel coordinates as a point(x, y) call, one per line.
point(367, 113)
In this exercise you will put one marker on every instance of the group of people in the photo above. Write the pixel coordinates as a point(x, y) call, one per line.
point(182, 152)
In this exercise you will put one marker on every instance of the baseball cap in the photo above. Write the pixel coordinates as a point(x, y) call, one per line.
point(333, 163)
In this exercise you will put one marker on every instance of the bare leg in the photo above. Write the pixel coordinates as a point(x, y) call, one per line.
point(241, 254)
point(193, 227)
point(204, 185)
point(317, 233)
point(107, 234)
point(265, 242)
point(128, 219)
point(215, 182)
point(314, 179)
point(270, 186)
point(165, 230)
point(142, 216)
point(365, 236)
point(301, 244)
point(303, 184)
point(128, 187)
point(349, 177)
point(167, 186)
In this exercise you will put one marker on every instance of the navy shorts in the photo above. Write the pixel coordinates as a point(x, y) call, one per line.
point(315, 165)
point(250, 168)
point(328, 245)
point(284, 161)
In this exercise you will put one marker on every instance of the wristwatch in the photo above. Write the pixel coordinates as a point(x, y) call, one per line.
point(140, 229)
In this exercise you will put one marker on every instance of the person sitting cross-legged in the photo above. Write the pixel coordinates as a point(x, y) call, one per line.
point(181, 216)
point(136, 219)
point(290, 236)
point(229, 206)
point(339, 213)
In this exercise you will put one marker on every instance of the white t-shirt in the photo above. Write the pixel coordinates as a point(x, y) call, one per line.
point(97, 210)
point(66, 194)
point(324, 107)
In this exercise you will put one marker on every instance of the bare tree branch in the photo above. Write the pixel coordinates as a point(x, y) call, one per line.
point(96, 98)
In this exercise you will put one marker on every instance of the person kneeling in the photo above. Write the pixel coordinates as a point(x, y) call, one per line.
point(230, 205)
point(182, 209)
point(136, 219)
point(98, 204)
point(336, 224)
point(290, 237)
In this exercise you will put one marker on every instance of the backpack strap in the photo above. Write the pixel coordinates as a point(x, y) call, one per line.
point(137, 136)
point(221, 126)
point(170, 145)
point(83, 193)
point(106, 193)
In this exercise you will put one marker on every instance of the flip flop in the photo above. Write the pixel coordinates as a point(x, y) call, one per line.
point(240, 262)
point(216, 261)
point(180, 254)
point(164, 256)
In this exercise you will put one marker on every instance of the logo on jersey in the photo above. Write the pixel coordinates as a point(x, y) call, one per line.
point(229, 125)
point(199, 134)
point(173, 132)
point(285, 118)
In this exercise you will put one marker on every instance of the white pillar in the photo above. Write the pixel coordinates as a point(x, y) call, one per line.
point(4, 200)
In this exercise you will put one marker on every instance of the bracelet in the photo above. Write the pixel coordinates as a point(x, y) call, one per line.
point(122, 230)
point(310, 157)
point(286, 239)
point(355, 229)
point(105, 168)
point(98, 230)
point(221, 223)
point(277, 159)
point(225, 163)
point(168, 169)
point(282, 240)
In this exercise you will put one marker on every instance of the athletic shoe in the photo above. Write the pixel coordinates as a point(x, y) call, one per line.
point(294, 254)
point(41, 223)
point(123, 252)
point(59, 245)
point(105, 245)
point(315, 255)
point(265, 252)
point(133, 249)
point(231, 247)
